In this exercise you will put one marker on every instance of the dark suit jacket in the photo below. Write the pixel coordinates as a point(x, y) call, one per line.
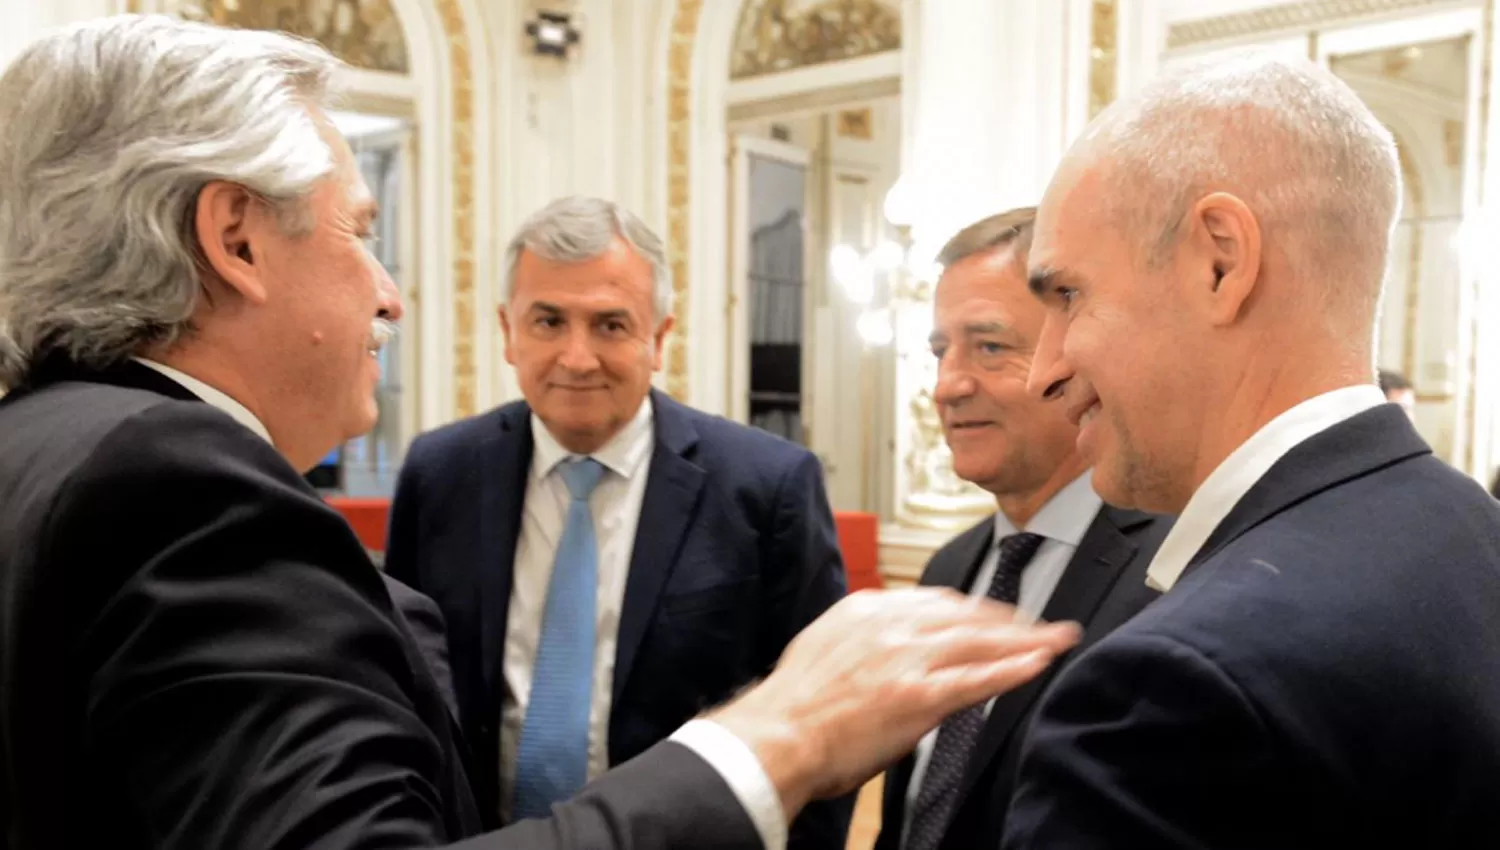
point(734, 554)
point(1325, 674)
point(1103, 586)
point(195, 652)
point(423, 621)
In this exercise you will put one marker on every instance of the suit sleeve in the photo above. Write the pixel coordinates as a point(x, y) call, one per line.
point(246, 684)
point(424, 622)
point(808, 570)
point(1145, 742)
point(667, 798)
point(403, 529)
point(804, 561)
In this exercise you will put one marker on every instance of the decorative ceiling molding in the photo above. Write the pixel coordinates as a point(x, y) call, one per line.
point(364, 33)
point(779, 35)
point(1281, 18)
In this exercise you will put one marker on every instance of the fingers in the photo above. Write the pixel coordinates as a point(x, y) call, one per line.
point(962, 646)
point(956, 688)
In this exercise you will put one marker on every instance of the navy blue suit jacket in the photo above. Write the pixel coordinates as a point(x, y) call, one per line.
point(1325, 674)
point(1103, 586)
point(734, 554)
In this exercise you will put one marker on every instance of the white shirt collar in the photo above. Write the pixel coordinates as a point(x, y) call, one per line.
point(216, 398)
point(622, 454)
point(1246, 465)
point(1065, 518)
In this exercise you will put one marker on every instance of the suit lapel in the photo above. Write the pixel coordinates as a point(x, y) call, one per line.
point(1356, 447)
point(504, 457)
point(957, 567)
point(126, 373)
point(1102, 555)
point(673, 486)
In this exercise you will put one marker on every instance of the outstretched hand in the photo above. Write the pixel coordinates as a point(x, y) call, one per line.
point(861, 685)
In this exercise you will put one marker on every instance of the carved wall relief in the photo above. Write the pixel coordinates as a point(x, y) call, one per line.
point(779, 35)
point(364, 33)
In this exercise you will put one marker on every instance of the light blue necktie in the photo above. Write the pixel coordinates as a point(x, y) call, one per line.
point(552, 759)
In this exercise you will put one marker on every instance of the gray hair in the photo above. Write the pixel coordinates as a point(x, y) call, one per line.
point(578, 228)
point(112, 129)
point(1293, 141)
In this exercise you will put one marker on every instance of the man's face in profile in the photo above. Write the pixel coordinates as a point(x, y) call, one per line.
point(1114, 352)
point(984, 333)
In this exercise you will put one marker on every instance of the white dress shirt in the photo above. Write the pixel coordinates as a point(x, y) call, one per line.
point(214, 397)
point(1063, 521)
point(1233, 478)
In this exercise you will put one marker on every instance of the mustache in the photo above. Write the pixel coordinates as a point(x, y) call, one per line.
point(383, 331)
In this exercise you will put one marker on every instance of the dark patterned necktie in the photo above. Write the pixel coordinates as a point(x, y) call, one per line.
point(958, 734)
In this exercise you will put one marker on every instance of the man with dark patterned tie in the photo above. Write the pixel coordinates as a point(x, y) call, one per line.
point(1052, 549)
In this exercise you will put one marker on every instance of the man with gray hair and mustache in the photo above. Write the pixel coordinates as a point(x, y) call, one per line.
point(1323, 667)
point(195, 651)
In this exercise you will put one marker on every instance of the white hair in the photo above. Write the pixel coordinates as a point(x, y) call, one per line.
point(578, 228)
point(112, 129)
point(1287, 137)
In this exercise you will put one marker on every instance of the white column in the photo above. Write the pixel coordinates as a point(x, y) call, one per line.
point(990, 98)
point(1479, 254)
point(982, 80)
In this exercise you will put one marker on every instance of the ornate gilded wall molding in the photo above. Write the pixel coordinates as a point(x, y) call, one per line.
point(364, 33)
point(680, 184)
point(461, 72)
point(779, 35)
point(1283, 17)
point(1104, 32)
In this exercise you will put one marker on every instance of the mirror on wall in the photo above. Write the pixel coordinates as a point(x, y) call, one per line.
point(1420, 91)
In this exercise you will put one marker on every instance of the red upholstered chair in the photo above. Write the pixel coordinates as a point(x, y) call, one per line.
point(367, 517)
point(859, 540)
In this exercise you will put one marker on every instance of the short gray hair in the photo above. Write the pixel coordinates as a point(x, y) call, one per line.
point(1289, 138)
point(112, 129)
point(578, 228)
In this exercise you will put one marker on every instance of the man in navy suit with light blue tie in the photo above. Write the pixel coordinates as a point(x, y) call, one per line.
point(609, 562)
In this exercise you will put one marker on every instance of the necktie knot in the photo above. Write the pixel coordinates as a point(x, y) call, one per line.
point(582, 476)
point(1016, 551)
